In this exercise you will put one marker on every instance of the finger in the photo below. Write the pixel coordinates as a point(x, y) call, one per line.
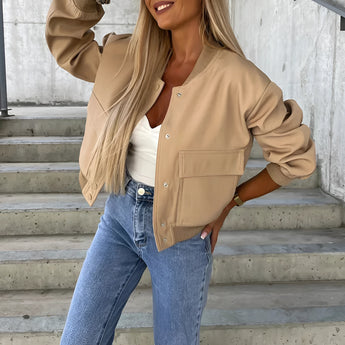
point(214, 239)
point(206, 231)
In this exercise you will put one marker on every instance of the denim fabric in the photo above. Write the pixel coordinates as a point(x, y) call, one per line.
point(122, 248)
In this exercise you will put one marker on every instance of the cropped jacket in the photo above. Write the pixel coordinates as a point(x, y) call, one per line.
point(207, 134)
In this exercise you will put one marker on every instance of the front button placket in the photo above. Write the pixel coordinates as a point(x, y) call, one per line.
point(160, 226)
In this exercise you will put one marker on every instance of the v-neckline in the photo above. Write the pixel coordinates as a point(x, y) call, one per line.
point(148, 122)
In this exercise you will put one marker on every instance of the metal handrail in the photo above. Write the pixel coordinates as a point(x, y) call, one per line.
point(3, 88)
point(339, 9)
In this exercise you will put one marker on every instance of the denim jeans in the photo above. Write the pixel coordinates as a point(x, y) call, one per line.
point(122, 248)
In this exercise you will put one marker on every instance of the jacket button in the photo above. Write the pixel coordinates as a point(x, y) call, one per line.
point(179, 94)
point(163, 224)
point(167, 136)
point(141, 191)
point(165, 184)
point(165, 240)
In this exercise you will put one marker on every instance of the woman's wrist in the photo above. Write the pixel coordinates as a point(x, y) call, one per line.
point(255, 187)
point(237, 199)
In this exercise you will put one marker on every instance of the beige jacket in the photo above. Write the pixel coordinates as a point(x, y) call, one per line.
point(206, 137)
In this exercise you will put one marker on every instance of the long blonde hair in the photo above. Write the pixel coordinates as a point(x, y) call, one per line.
point(150, 49)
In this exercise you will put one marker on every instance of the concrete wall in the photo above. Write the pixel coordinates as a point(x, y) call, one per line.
point(32, 73)
point(298, 44)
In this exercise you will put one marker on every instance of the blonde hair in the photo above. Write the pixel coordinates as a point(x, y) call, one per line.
point(150, 49)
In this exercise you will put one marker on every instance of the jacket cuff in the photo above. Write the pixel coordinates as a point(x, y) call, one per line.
point(276, 175)
point(87, 5)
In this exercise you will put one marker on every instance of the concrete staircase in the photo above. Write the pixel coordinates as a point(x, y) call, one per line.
point(279, 266)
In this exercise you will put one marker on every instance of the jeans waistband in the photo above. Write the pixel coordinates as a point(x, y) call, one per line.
point(138, 190)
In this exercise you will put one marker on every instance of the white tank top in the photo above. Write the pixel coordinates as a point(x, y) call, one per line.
point(141, 156)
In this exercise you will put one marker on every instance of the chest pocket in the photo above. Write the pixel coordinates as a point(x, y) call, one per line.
point(207, 182)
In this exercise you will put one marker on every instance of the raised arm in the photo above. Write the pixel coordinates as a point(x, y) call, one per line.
point(70, 38)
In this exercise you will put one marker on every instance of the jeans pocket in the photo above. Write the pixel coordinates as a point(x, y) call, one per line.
point(207, 242)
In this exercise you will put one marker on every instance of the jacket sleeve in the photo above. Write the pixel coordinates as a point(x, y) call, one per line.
point(286, 142)
point(70, 39)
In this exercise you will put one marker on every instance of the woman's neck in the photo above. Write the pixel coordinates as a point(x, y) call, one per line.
point(186, 43)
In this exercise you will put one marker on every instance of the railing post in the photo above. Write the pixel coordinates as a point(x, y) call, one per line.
point(3, 87)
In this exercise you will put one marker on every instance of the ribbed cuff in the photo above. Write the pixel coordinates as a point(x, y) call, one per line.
point(274, 171)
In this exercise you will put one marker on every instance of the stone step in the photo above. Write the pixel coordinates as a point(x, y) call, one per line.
point(44, 121)
point(53, 262)
point(70, 214)
point(256, 152)
point(62, 177)
point(40, 149)
point(52, 149)
point(59, 177)
point(55, 121)
point(254, 166)
point(255, 314)
point(288, 209)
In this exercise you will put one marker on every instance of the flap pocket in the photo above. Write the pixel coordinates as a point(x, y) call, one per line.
point(211, 162)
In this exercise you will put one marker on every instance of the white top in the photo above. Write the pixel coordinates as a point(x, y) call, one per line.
point(141, 157)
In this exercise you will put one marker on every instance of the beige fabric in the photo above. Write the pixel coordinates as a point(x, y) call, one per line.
point(211, 121)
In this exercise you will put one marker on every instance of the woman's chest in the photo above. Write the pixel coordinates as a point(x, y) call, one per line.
point(159, 109)
point(173, 77)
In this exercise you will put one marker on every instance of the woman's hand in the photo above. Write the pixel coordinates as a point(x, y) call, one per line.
point(216, 225)
point(258, 185)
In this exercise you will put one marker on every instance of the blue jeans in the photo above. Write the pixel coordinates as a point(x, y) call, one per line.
point(122, 248)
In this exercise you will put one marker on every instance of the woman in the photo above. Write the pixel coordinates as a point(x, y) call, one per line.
point(170, 127)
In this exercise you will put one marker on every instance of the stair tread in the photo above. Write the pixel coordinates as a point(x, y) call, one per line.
point(280, 197)
point(230, 243)
point(294, 197)
point(231, 305)
point(62, 177)
point(28, 167)
point(43, 201)
point(59, 166)
point(49, 112)
point(39, 140)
